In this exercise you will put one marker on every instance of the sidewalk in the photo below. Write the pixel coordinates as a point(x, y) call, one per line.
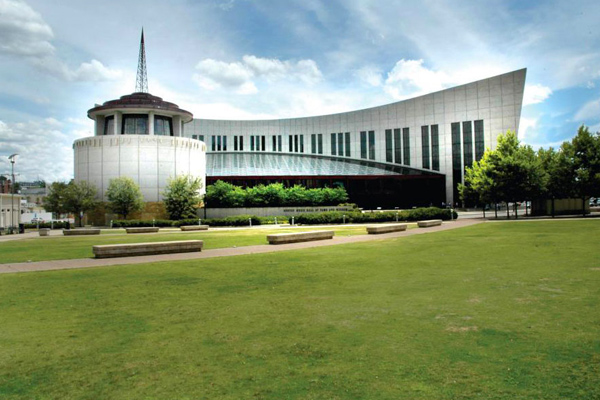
point(225, 252)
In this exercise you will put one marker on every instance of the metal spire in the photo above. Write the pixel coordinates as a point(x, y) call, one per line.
point(141, 82)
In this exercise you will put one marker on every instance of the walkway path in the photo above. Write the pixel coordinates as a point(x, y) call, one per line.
point(230, 251)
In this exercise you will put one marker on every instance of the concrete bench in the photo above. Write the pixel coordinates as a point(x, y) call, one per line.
point(186, 228)
point(44, 231)
point(78, 232)
point(428, 223)
point(387, 228)
point(283, 238)
point(144, 249)
point(145, 229)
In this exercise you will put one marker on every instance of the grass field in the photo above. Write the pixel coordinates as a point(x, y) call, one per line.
point(492, 311)
point(70, 247)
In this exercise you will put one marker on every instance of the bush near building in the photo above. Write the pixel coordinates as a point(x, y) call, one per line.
point(225, 195)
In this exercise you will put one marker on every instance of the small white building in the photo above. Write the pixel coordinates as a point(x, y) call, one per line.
point(10, 210)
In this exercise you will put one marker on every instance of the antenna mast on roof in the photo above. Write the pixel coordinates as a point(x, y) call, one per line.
point(141, 82)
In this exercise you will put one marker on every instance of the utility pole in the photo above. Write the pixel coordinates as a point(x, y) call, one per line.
point(13, 159)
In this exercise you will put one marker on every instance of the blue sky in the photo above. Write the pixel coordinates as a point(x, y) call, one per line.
point(247, 59)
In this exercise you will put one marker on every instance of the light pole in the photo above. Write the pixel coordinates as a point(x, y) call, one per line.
point(13, 159)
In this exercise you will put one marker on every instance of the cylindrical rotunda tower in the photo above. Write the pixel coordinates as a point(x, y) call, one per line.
point(139, 136)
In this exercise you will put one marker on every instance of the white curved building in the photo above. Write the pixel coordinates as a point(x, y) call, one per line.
point(403, 154)
point(139, 136)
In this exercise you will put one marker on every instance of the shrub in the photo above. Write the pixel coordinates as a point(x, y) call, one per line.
point(336, 217)
point(138, 223)
point(55, 225)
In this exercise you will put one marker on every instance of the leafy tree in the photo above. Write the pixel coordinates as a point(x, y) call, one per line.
point(182, 197)
point(510, 173)
point(585, 150)
point(559, 168)
point(79, 198)
point(124, 196)
point(223, 194)
point(54, 201)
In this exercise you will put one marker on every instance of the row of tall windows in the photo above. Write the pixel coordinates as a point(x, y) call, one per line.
point(198, 137)
point(430, 146)
point(137, 124)
point(367, 144)
point(394, 147)
point(340, 144)
point(316, 143)
point(238, 143)
point(296, 143)
point(464, 146)
point(276, 143)
point(258, 143)
point(218, 143)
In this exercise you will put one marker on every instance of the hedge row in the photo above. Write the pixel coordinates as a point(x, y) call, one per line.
point(331, 217)
point(238, 220)
point(334, 217)
point(54, 225)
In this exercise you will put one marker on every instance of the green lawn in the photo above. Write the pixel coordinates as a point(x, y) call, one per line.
point(492, 311)
point(69, 247)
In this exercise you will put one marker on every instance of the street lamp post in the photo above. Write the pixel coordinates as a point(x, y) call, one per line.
point(13, 159)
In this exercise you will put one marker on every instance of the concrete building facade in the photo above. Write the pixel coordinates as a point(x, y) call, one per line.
point(432, 137)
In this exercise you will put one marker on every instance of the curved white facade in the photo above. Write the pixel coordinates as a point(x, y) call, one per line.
point(440, 133)
point(149, 160)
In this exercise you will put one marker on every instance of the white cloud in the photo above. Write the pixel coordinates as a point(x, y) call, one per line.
point(370, 75)
point(590, 111)
point(535, 94)
point(241, 76)
point(44, 147)
point(23, 31)
point(527, 127)
point(410, 78)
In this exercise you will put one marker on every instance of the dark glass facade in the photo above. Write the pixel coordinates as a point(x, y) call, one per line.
point(397, 146)
point(109, 125)
point(425, 146)
point(456, 158)
point(347, 144)
point(467, 143)
point(363, 144)
point(163, 126)
point(134, 124)
point(372, 145)
point(406, 145)
point(435, 147)
point(479, 140)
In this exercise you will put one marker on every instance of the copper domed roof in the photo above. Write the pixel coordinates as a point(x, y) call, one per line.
point(140, 100)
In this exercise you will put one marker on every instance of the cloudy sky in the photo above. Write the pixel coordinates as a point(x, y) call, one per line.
point(248, 59)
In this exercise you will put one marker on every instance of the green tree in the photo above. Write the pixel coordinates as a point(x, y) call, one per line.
point(559, 168)
point(585, 151)
point(182, 197)
point(223, 194)
point(54, 201)
point(124, 196)
point(510, 173)
point(79, 198)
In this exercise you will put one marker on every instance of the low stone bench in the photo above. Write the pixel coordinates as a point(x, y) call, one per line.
point(145, 229)
point(44, 231)
point(144, 249)
point(78, 232)
point(283, 238)
point(428, 223)
point(387, 228)
point(186, 228)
